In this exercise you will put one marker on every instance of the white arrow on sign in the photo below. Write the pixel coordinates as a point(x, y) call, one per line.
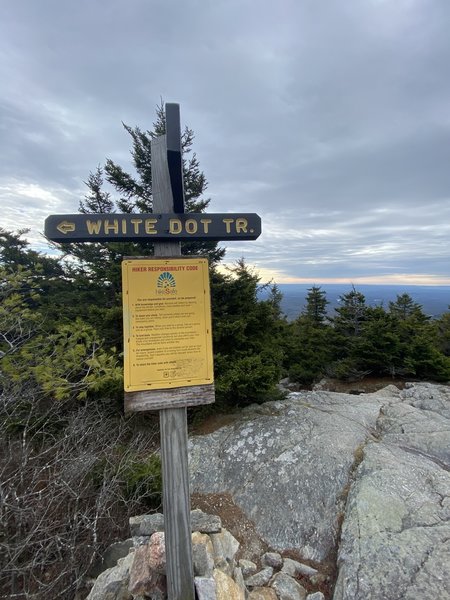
point(65, 227)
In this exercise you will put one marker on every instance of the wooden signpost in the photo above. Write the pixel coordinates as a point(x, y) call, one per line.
point(167, 324)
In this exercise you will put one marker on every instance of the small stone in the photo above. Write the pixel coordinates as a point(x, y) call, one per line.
point(110, 556)
point(318, 579)
point(205, 588)
point(157, 553)
point(140, 540)
point(259, 579)
point(112, 584)
point(287, 588)
point(225, 549)
point(316, 596)
point(150, 524)
point(146, 524)
point(205, 523)
point(226, 588)
point(203, 555)
point(140, 574)
point(263, 593)
point(272, 559)
point(294, 568)
point(224, 566)
point(158, 593)
point(143, 579)
point(248, 567)
point(239, 579)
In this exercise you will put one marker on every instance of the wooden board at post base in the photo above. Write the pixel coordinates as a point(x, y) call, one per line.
point(168, 360)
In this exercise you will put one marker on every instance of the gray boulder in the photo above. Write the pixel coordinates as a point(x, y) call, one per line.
point(428, 396)
point(112, 584)
point(260, 579)
point(378, 462)
point(287, 464)
point(396, 534)
point(287, 588)
point(146, 525)
point(294, 568)
point(421, 422)
point(111, 555)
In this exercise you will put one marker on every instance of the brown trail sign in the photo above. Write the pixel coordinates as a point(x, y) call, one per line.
point(167, 324)
point(152, 227)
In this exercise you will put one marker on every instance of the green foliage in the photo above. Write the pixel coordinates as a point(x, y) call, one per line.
point(443, 333)
point(377, 350)
point(94, 276)
point(132, 192)
point(247, 336)
point(405, 309)
point(59, 294)
point(418, 341)
point(351, 314)
point(142, 479)
point(316, 305)
point(138, 474)
point(68, 361)
point(311, 342)
point(310, 351)
point(96, 200)
point(18, 298)
point(362, 340)
point(72, 362)
point(75, 354)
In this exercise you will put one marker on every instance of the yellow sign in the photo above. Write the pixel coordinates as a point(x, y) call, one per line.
point(167, 323)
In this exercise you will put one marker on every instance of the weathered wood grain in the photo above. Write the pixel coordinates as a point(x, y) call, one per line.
point(146, 400)
point(176, 504)
point(173, 424)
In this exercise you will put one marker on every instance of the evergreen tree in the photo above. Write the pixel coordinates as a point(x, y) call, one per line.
point(56, 295)
point(97, 271)
point(404, 308)
point(311, 350)
point(443, 333)
point(348, 325)
point(311, 340)
point(316, 305)
point(378, 349)
point(420, 353)
point(136, 191)
point(96, 200)
point(351, 313)
point(134, 194)
point(247, 336)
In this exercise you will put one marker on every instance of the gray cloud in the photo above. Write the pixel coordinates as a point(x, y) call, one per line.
point(330, 119)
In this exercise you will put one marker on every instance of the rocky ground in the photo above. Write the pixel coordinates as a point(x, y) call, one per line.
point(354, 487)
point(358, 482)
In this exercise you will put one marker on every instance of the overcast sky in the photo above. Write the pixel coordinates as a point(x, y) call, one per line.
point(329, 118)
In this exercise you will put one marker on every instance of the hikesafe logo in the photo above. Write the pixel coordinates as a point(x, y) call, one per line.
point(166, 284)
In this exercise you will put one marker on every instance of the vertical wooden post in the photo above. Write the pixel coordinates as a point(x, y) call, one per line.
point(173, 427)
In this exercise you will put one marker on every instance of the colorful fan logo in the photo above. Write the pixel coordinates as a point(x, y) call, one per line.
point(166, 283)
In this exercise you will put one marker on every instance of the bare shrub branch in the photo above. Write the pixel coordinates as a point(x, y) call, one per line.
point(63, 491)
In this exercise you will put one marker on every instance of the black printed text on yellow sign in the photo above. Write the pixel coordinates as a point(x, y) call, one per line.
point(167, 323)
point(188, 226)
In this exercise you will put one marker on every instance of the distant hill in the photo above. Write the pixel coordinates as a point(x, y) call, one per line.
point(434, 299)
